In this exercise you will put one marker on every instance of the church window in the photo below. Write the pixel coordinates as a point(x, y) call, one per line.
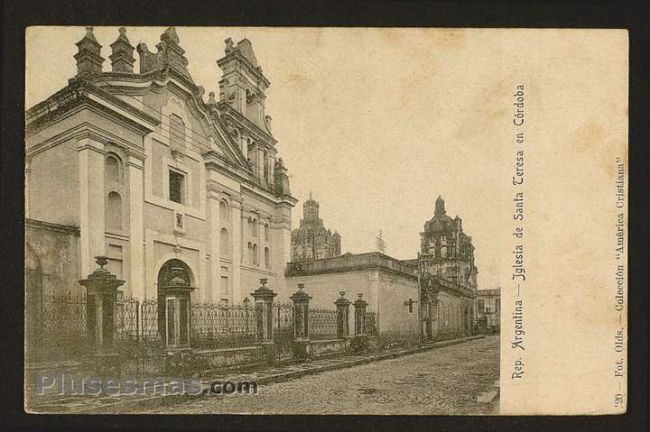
point(223, 212)
point(176, 187)
point(113, 169)
point(114, 211)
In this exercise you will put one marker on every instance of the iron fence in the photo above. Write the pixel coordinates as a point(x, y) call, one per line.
point(223, 326)
point(59, 328)
point(127, 325)
point(371, 323)
point(283, 330)
point(322, 323)
point(149, 321)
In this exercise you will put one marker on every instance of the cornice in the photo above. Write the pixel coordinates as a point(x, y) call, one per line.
point(90, 131)
point(227, 111)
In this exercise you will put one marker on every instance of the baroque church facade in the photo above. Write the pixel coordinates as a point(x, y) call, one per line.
point(312, 240)
point(448, 275)
point(141, 167)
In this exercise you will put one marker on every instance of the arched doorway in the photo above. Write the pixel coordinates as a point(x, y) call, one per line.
point(175, 283)
point(33, 301)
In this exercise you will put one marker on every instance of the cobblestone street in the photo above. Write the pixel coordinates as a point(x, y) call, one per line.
point(439, 381)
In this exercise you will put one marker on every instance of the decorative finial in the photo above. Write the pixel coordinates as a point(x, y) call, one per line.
point(229, 45)
point(342, 294)
point(301, 286)
point(122, 31)
point(360, 295)
point(440, 206)
point(263, 281)
point(101, 261)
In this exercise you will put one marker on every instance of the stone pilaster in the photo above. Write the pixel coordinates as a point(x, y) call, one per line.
point(91, 201)
point(137, 281)
point(237, 244)
point(213, 291)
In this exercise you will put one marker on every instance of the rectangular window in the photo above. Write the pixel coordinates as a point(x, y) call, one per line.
point(176, 187)
point(497, 305)
point(481, 306)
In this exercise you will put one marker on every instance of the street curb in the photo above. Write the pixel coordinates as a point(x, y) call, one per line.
point(297, 374)
point(133, 406)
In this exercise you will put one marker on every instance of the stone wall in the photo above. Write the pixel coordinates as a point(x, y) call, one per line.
point(52, 258)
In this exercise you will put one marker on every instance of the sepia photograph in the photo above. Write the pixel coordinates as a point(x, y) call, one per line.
point(258, 220)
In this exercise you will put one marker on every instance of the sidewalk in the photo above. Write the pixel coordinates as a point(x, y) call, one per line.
point(261, 376)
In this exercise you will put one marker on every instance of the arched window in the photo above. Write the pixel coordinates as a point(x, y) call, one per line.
point(225, 243)
point(256, 228)
point(251, 258)
point(250, 226)
point(267, 232)
point(267, 258)
point(256, 256)
point(114, 211)
point(223, 212)
point(112, 169)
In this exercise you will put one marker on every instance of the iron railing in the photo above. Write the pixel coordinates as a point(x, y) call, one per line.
point(371, 323)
point(283, 330)
point(58, 329)
point(221, 325)
point(322, 323)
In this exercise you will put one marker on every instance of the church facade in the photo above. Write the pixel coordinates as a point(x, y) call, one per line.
point(141, 167)
point(312, 240)
point(448, 276)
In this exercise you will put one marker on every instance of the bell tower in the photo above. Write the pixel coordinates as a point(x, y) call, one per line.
point(243, 85)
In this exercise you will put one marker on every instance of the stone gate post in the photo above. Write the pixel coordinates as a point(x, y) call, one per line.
point(264, 315)
point(360, 306)
point(101, 301)
point(301, 322)
point(342, 316)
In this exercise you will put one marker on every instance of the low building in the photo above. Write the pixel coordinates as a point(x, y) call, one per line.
point(389, 286)
point(488, 309)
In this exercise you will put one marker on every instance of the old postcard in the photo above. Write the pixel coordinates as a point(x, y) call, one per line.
point(326, 220)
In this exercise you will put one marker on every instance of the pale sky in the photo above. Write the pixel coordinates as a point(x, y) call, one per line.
point(375, 122)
